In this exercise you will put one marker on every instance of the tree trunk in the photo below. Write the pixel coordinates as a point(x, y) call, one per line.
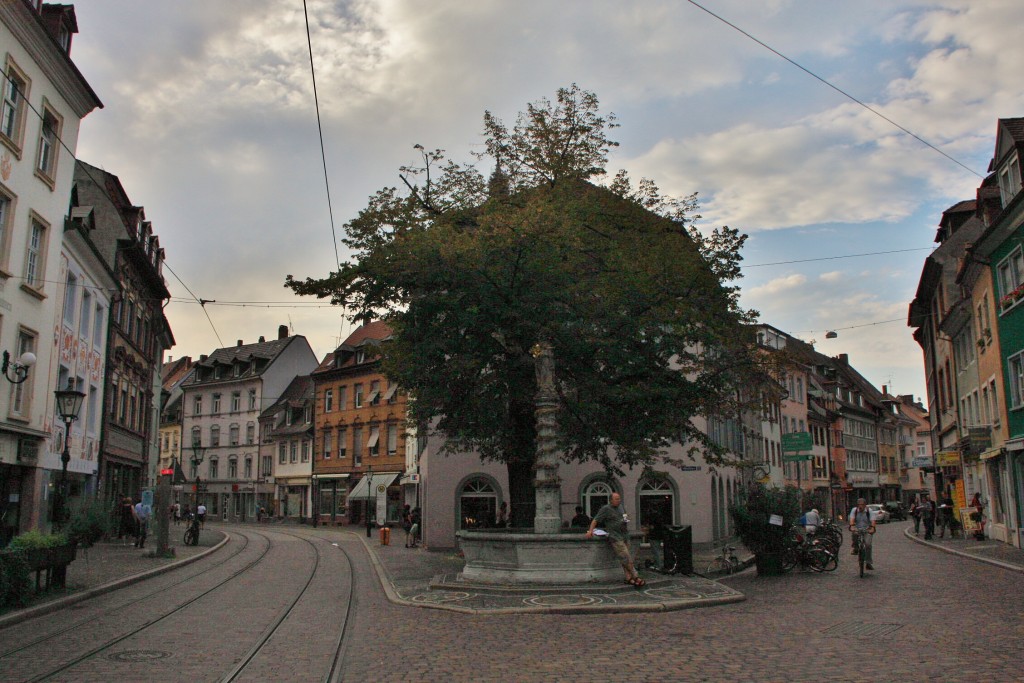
point(520, 465)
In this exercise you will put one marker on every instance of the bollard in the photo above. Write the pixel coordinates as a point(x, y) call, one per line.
point(385, 535)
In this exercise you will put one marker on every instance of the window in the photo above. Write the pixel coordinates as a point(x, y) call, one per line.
point(6, 216)
point(35, 255)
point(293, 452)
point(1009, 180)
point(233, 434)
point(1010, 275)
point(389, 395)
point(86, 315)
point(392, 439)
point(357, 446)
point(214, 469)
point(236, 401)
point(358, 390)
point(49, 134)
point(12, 117)
point(341, 398)
point(374, 397)
point(327, 446)
point(196, 436)
point(282, 453)
point(360, 357)
point(232, 468)
point(995, 402)
point(305, 450)
point(70, 298)
point(252, 399)
point(372, 444)
point(1016, 370)
point(237, 369)
point(657, 503)
point(268, 465)
point(216, 404)
point(328, 400)
point(248, 468)
point(197, 406)
point(21, 396)
point(478, 504)
point(94, 413)
point(215, 435)
point(250, 433)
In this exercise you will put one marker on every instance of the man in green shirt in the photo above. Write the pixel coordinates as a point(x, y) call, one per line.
point(614, 520)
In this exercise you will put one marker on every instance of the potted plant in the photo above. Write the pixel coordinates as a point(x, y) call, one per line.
point(88, 524)
point(761, 516)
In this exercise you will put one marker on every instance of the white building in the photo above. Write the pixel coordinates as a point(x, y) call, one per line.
point(45, 98)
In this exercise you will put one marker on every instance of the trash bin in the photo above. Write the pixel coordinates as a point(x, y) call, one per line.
point(678, 544)
point(385, 535)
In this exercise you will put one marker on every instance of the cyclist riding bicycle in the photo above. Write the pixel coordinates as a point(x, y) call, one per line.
point(862, 525)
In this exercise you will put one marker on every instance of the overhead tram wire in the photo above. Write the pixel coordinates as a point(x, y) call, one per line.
point(105, 195)
point(836, 88)
point(832, 258)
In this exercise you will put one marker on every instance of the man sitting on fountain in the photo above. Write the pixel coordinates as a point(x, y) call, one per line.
point(615, 522)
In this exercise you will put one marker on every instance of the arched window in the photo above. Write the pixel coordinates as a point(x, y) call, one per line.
point(596, 494)
point(722, 526)
point(478, 504)
point(657, 502)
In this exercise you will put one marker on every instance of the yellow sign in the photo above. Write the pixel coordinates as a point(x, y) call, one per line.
point(959, 495)
point(947, 458)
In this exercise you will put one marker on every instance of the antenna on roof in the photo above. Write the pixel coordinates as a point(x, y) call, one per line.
point(291, 328)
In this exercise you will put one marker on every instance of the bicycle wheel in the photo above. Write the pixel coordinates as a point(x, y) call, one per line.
point(790, 558)
point(823, 560)
point(860, 557)
point(191, 537)
point(716, 565)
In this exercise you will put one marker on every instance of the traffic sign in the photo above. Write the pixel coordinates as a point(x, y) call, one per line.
point(796, 441)
point(796, 458)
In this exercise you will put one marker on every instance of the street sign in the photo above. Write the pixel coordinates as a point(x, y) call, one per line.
point(796, 441)
point(796, 458)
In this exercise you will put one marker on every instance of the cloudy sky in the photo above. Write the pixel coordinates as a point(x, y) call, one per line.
point(209, 121)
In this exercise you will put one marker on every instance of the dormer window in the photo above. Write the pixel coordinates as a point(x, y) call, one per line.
point(1009, 179)
point(252, 367)
point(360, 356)
point(216, 372)
point(238, 369)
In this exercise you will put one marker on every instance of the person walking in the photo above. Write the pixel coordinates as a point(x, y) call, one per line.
point(414, 530)
point(915, 512)
point(926, 509)
point(126, 526)
point(176, 508)
point(615, 522)
point(407, 522)
point(978, 515)
point(201, 514)
point(142, 514)
point(946, 517)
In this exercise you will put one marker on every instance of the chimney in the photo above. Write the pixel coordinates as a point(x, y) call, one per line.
point(843, 358)
point(239, 342)
point(282, 332)
point(262, 339)
point(202, 358)
point(885, 390)
point(170, 358)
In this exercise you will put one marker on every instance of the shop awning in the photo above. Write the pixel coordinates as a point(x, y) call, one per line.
point(374, 435)
point(992, 453)
point(321, 477)
point(362, 490)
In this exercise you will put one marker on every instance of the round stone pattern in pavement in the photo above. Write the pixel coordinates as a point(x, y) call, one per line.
point(138, 655)
point(562, 600)
point(441, 596)
point(673, 593)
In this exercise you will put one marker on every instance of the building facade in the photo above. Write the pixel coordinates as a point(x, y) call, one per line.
point(286, 447)
point(45, 98)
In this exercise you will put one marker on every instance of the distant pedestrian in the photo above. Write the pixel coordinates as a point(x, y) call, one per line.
point(927, 511)
point(503, 519)
point(581, 520)
point(812, 520)
point(946, 517)
point(201, 514)
point(186, 512)
point(915, 512)
point(414, 530)
point(978, 515)
point(142, 514)
point(176, 510)
point(259, 514)
point(126, 527)
point(406, 518)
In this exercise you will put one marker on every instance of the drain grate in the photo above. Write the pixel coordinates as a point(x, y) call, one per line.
point(138, 655)
point(861, 629)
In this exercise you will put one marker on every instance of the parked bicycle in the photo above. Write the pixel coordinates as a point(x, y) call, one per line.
point(726, 562)
point(192, 532)
point(802, 551)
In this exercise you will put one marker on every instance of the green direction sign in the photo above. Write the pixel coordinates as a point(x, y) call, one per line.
point(796, 441)
point(795, 458)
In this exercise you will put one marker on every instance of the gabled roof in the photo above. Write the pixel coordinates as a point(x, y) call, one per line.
point(298, 394)
point(245, 353)
point(367, 337)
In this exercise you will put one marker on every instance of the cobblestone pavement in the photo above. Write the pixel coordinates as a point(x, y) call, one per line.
point(922, 615)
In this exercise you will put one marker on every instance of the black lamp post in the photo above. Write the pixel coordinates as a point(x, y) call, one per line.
point(197, 459)
point(369, 491)
point(69, 403)
point(20, 366)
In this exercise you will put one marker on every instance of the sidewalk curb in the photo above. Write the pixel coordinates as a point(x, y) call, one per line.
point(60, 603)
point(394, 597)
point(954, 551)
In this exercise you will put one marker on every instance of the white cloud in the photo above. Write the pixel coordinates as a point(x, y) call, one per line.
point(779, 285)
point(832, 276)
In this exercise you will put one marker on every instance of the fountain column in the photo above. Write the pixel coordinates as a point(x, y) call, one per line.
point(547, 484)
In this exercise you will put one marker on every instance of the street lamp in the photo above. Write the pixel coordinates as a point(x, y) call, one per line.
point(69, 403)
point(369, 490)
point(197, 459)
point(20, 367)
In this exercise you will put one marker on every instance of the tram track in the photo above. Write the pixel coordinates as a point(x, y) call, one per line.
point(71, 627)
point(151, 622)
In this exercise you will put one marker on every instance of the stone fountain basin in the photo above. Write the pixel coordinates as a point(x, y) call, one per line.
point(520, 556)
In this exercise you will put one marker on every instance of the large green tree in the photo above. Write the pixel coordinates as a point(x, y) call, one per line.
point(472, 272)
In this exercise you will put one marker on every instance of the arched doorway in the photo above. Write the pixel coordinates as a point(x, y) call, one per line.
point(657, 502)
point(478, 504)
point(596, 494)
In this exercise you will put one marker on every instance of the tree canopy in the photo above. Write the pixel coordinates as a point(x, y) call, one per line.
point(639, 307)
